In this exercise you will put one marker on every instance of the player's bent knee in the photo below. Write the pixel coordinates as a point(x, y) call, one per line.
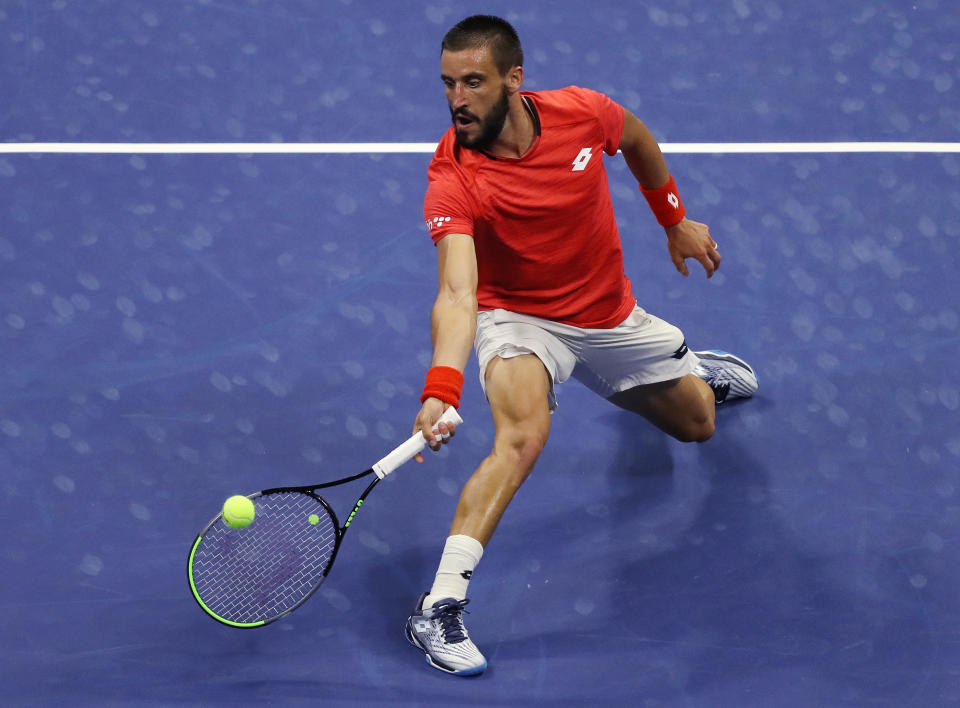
point(697, 431)
point(521, 447)
point(526, 447)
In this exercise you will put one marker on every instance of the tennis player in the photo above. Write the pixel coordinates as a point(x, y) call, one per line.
point(531, 274)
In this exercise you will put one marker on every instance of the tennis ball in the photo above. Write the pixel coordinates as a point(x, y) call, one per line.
point(313, 519)
point(238, 512)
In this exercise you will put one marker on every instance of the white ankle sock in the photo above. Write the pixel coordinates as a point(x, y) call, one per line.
point(460, 556)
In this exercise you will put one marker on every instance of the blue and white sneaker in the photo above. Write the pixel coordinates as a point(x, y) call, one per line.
point(729, 376)
point(439, 632)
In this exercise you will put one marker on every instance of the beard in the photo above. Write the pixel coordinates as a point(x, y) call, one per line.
point(489, 126)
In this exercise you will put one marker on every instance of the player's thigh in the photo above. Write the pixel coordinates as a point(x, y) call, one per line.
point(517, 389)
point(641, 350)
point(683, 407)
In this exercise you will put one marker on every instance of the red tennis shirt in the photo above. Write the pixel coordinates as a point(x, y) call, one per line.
point(543, 225)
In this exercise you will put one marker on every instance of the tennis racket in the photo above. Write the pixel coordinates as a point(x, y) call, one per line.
point(253, 576)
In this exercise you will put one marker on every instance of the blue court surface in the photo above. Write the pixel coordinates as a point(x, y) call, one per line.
point(178, 328)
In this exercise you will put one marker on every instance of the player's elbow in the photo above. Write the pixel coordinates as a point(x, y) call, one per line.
point(463, 297)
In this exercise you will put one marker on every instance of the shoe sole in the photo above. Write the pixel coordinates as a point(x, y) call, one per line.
point(472, 671)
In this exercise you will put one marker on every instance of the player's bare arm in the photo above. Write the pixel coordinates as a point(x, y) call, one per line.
point(453, 322)
point(687, 239)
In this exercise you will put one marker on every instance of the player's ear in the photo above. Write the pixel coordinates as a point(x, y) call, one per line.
point(514, 79)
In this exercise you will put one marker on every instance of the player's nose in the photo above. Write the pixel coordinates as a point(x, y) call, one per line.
point(458, 97)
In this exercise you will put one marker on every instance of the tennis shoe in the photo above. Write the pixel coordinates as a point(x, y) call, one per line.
point(439, 632)
point(729, 376)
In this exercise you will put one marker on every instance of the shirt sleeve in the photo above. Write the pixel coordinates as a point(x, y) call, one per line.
point(610, 115)
point(446, 207)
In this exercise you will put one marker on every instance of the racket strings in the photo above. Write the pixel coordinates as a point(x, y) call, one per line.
point(260, 572)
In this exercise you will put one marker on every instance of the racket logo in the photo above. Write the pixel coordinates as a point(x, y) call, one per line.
point(353, 513)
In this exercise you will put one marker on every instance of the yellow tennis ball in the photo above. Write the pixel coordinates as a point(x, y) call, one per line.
point(238, 512)
point(313, 519)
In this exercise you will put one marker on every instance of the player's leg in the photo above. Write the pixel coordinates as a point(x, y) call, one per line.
point(644, 365)
point(517, 389)
point(683, 408)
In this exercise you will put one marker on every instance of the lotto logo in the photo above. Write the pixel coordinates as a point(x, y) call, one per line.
point(673, 200)
point(580, 163)
point(436, 221)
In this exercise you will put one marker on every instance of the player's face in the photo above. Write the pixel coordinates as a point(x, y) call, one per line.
point(477, 95)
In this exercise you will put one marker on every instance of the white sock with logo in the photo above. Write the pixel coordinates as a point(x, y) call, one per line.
point(460, 556)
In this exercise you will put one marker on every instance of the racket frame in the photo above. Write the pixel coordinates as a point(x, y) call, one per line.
point(381, 469)
point(338, 531)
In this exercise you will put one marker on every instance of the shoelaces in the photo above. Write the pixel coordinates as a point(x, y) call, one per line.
point(449, 616)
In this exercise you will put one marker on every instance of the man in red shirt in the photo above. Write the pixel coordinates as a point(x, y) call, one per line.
point(531, 274)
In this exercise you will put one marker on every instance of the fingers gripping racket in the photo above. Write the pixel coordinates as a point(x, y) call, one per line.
point(250, 577)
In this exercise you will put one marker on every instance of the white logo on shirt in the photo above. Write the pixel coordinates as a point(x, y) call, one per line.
point(580, 164)
point(436, 221)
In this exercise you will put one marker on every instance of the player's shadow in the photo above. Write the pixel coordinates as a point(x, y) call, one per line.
point(677, 560)
point(643, 471)
point(640, 477)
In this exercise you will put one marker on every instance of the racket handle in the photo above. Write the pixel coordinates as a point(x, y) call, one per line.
point(406, 452)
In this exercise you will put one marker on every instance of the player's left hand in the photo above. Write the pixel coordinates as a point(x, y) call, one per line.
point(691, 239)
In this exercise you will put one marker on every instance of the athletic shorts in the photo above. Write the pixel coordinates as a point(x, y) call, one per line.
point(643, 349)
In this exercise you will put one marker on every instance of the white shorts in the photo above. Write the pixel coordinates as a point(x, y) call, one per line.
point(641, 350)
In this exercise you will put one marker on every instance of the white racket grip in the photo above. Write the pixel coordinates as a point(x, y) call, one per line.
point(406, 452)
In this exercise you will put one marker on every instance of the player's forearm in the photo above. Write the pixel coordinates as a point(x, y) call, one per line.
point(642, 153)
point(453, 326)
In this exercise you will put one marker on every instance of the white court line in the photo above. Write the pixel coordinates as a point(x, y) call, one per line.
point(218, 148)
point(429, 148)
point(776, 148)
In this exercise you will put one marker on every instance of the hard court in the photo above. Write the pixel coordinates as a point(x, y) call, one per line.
point(178, 327)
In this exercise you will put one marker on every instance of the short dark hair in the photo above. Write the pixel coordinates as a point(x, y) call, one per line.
point(487, 31)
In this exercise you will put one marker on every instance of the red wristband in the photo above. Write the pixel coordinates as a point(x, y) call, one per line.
point(445, 383)
point(665, 203)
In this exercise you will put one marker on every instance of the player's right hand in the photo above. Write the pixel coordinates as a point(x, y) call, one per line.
point(426, 421)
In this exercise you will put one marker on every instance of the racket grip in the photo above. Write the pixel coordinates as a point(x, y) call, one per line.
point(406, 452)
